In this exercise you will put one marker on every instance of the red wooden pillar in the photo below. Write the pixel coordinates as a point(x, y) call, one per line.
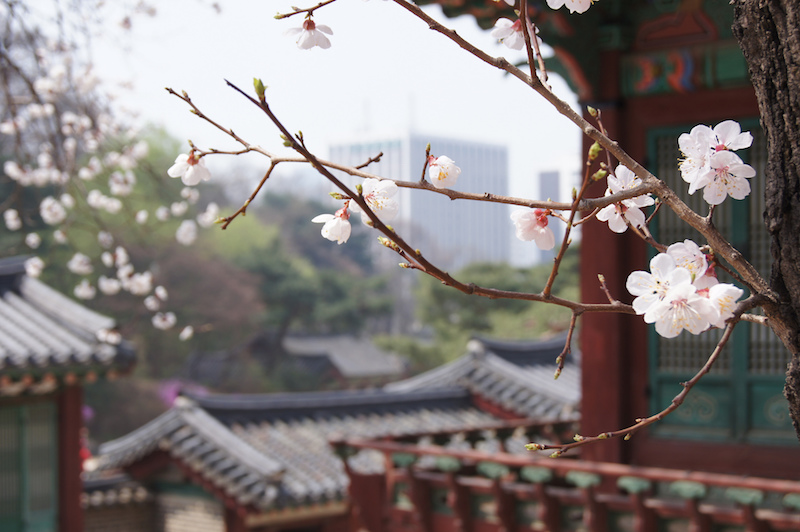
point(70, 484)
point(234, 520)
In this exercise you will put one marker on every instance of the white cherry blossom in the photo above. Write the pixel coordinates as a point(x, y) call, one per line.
point(34, 267)
point(33, 240)
point(729, 136)
point(651, 288)
point(161, 293)
point(379, 195)
point(80, 264)
point(109, 286)
point(510, 33)
point(186, 333)
point(52, 212)
point(140, 284)
point(152, 303)
point(186, 233)
point(164, 321)
point(724, 296)
point(443, 171)
point(141, 217)
point(532, 225)
point(574, 6)
point(728, 177)
point(618, 215)
point(85, 290)
point(311, 34)
point(208, 217)
point(687, 254)
point(12, 219)
point(681, 308)
point(337, 226)
point(190, 168)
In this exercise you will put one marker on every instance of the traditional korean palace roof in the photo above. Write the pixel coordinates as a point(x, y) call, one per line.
point(271, 452)
point(47, 339)
point(514, 375)
point(352, 357)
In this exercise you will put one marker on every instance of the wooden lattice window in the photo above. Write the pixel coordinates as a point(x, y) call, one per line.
point(741, 400)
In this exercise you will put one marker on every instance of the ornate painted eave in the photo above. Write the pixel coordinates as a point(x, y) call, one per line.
point(672, 46)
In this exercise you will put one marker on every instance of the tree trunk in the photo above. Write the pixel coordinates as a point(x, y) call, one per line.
point(768, 32)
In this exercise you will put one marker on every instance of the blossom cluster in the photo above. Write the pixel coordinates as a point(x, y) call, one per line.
point(710, 164)
point(681, 291)
point(82, 163)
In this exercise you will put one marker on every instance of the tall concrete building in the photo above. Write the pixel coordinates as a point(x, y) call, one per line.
point(452, 234)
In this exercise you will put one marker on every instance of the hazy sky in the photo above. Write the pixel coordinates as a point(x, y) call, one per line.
point(386, 71)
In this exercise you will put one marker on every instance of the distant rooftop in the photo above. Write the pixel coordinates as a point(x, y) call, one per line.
point(47, 338)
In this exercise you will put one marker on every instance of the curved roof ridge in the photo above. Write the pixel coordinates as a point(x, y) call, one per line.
point(286, 402)
point(552, 392)
point(131, 447)
point(527, 346)
point(447, 373)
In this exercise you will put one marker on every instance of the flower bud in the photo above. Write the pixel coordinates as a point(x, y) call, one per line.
point(600, 174)
point(594, 151)
point(260, 88)
point(592, 110)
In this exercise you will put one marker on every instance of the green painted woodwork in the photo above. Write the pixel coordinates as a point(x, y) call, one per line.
point(687, 489)
point(492, 470)
point(28, 467)
point(741, 399)
point(403, 459)
point(536, 475)
point(582, 479)
point(792, 500)
point(448, 464)
point(745, 496)
point(634, 484)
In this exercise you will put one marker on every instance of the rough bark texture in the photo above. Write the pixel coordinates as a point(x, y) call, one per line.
point(768, 32)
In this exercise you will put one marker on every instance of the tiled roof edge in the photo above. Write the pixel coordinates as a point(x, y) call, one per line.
point(324, 400)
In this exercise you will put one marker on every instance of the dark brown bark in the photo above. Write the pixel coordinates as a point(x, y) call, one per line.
point(768, 32)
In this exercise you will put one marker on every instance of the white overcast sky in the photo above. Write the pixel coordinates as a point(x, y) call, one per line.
point(386, 71)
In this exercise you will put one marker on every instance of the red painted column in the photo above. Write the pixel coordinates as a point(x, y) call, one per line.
point(70, 485)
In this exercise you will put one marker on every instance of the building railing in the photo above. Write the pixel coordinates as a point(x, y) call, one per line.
point(430, 488)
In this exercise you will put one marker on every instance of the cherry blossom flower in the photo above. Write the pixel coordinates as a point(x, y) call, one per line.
point(729, 136)
point(121, 184)
point(164, 320)
point(532, 225)
point(162, 213)
point(178, 208)
point(574, 6)
point(139, 284)
point(681, 308)
point(379, 195)
point(12, 219)
point(105, 239)
point(108, 286)
point(80, 264)
point(186, 233)
point(190, 168)
point(651, 288)
point(161, 293)
point(510, 33)
point(724, 296)
point(687, 254)
point(84, 290)
point(34, 267)
point(311, 34)
point(186, 333)
point(33, 240)
point(52, 212)
point(442, 171)
point(152, 303)
point(141, 217)
point(728, 177)
point(337, 226)
point(208, 217)
point(618, 215)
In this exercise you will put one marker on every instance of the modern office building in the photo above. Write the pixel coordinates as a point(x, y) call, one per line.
point(452, 234)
